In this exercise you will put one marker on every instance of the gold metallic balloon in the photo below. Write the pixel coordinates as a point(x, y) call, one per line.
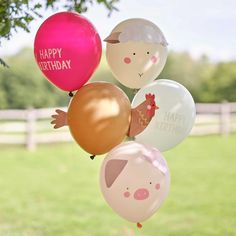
point(99, 117)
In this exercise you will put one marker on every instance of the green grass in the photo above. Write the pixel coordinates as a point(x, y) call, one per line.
point(55, 192)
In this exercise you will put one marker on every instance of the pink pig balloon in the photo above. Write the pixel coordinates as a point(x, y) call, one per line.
point(134, 180)
point(67, 49)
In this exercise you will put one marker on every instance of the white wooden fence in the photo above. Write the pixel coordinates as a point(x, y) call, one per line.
point(31, 127)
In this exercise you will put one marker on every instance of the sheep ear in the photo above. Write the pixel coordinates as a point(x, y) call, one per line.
point(113, 38)
point(113, 169)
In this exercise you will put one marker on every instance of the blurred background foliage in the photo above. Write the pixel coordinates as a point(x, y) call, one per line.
point(23, 85)
point(15, 14)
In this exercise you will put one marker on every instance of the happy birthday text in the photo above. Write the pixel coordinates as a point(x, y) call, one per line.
point(52, 60)
point(172, 122)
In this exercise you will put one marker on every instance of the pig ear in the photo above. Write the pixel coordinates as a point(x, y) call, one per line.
point(112, 170)
point(113, 38)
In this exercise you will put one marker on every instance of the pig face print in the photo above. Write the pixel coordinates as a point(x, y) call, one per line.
point(134, 184)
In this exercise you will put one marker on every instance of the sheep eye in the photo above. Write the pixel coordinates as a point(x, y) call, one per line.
point(147, 52)
point(134, 53)
point(127, 188)
point(150, 183)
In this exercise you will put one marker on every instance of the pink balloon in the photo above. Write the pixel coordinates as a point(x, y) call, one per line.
point(67, 49)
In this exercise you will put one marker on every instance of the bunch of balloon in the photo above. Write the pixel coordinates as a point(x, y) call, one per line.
point(100, 116)
point(134, 177)
point(67, 49)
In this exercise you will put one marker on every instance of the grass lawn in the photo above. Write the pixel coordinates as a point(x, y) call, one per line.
point(55, 192)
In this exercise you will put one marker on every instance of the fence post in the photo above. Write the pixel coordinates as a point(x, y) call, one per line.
point(225, 118)
point(30, 129)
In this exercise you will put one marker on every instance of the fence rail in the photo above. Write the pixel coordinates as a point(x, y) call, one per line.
point(31, 127)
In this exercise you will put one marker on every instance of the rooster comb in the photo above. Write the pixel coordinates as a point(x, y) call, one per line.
point(150, 96)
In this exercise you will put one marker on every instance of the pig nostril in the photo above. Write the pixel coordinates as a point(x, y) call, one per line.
point(141, 194)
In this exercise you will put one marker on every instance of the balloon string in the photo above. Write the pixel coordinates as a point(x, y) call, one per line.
point(71, 94)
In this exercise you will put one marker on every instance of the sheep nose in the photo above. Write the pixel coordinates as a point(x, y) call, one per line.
point(140, 74)
point(141, 194)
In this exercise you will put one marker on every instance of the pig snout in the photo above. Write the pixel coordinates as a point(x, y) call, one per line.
point(141, 194)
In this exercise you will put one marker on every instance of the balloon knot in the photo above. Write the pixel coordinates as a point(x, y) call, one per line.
point(139, 225)
point(71, 94)
point(92, 157)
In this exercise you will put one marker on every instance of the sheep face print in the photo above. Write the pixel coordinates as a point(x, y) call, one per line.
point(136, 52)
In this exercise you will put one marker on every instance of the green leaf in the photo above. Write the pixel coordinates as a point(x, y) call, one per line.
point(20, 24)
point(38, 6)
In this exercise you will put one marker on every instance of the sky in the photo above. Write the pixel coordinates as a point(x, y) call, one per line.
point(197, 26)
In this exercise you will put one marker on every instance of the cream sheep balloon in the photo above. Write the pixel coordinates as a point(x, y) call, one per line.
point(134, 180)
point(136, 52)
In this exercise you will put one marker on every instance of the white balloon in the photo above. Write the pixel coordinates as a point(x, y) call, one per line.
point(173, 120)
point(136, 52)
point(134, 180)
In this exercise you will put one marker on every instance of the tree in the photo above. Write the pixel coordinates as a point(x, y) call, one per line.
point(15, 14)
point(221, 85)
point(24, 85)
point(190, 72)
